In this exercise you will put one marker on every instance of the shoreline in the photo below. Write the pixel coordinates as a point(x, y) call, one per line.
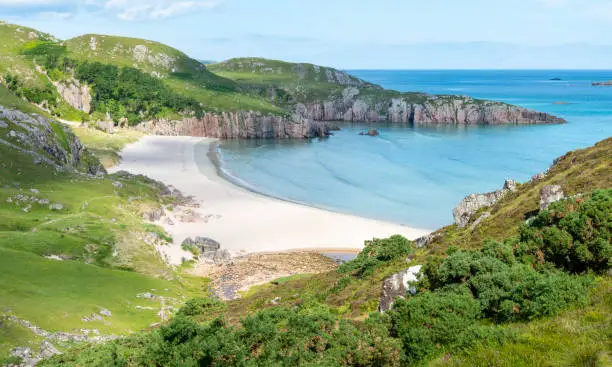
point(241, 220)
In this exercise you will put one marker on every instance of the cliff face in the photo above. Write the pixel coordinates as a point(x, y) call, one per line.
point(239, 125)
point(75, 94)
point(421, 110)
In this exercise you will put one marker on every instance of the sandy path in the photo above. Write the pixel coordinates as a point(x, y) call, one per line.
point(240, 220)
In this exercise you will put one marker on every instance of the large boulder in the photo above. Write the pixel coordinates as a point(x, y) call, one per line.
point(398, 285)
point(209, 249)
point(550, 194)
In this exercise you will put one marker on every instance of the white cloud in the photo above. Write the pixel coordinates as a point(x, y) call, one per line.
point(56, 14)
point(156, 9)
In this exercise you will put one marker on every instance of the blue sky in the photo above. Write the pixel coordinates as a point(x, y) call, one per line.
point(382, 34)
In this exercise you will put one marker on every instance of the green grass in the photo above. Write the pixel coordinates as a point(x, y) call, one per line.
point(106, 146)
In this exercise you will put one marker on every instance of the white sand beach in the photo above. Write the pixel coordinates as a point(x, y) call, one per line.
point(240, 220)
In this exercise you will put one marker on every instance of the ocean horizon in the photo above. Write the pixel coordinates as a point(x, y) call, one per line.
point(403, 175)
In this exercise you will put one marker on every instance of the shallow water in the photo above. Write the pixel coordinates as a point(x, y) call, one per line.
point(415, 176)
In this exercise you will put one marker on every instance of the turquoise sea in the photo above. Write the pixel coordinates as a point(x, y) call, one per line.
point(415, 176)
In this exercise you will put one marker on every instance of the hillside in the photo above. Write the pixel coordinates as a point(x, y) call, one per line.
point(521, 300)
point(120, 80)
point(74, 249)
point(327, 94)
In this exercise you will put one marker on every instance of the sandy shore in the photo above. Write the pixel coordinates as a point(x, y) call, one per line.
point(243, 221)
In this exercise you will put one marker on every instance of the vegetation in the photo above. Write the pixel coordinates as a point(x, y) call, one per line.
point(483, 296)
point(72, 244)
point(106, 147)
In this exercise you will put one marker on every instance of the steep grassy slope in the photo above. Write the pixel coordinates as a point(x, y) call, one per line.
point(184, 74)
point(72, 242)
point(577, 172)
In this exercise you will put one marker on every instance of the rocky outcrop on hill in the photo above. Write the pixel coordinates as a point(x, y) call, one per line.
point(239, 125)
point(550, 194)
point(47, 142)
point(420, 109)
point(75, 94)
point(398, 285)
point(469, 206)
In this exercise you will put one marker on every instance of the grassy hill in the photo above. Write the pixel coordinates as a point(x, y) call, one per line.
point(73, 243)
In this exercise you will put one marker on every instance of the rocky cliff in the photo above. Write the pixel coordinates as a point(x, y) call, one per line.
point(46, 141)
point(75, 94)
point(421, 109)
point(239, 125)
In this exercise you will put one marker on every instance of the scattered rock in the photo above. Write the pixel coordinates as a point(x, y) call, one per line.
point(118, 185)
point(484, 216)
point(398, 285)
point(275, 301)
point(511, 185)
point(146, 295)
point(3, 125)
point(48, 350)
point(424, 241)
point(154, 215)
point(371, 132)
point(550, 194)
point(56, 207)
point(463, 213)
point(54, 257)
point(105, 312)
point(35, 191)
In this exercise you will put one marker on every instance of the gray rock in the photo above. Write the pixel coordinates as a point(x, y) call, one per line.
point(154, 215)
point(275, 301)
point(56, 206)
point(146, 295)
point(35, 191)
point(105, 312)
point(398, 285)
point(209, 249)
point(48, 350)
point(511, 185)
point(118, 185)
point(424, 241)
point(463, 213)
point(3, 125)
point(550, 194)
point(484, 216)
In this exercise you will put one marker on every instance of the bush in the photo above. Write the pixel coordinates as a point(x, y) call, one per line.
point(376, 253)
point(431, 321)
point(572, 234)
point(201, 305)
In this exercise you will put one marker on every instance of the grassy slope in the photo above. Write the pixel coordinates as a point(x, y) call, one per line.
point(286, 83)
point(99, 232)
point(106, 146)
point(577, 172)
point(183, 74)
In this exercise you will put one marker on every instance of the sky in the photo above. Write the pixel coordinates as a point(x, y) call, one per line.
point(349, 34)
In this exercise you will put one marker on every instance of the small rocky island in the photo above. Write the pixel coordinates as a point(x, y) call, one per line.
point(602, 84)
point(371, 132)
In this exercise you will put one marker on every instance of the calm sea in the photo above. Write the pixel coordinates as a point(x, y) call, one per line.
point(415, 176)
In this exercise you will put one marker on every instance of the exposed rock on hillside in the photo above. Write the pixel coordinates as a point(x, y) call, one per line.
point(75, 94)
point(550, 194)
point(46, 141)
point(464, 212)
point(398, 285)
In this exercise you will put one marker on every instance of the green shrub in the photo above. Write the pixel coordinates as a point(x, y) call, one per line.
point(201, 305)
point(376, 253)
point(573, 234)
point(431, 321)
